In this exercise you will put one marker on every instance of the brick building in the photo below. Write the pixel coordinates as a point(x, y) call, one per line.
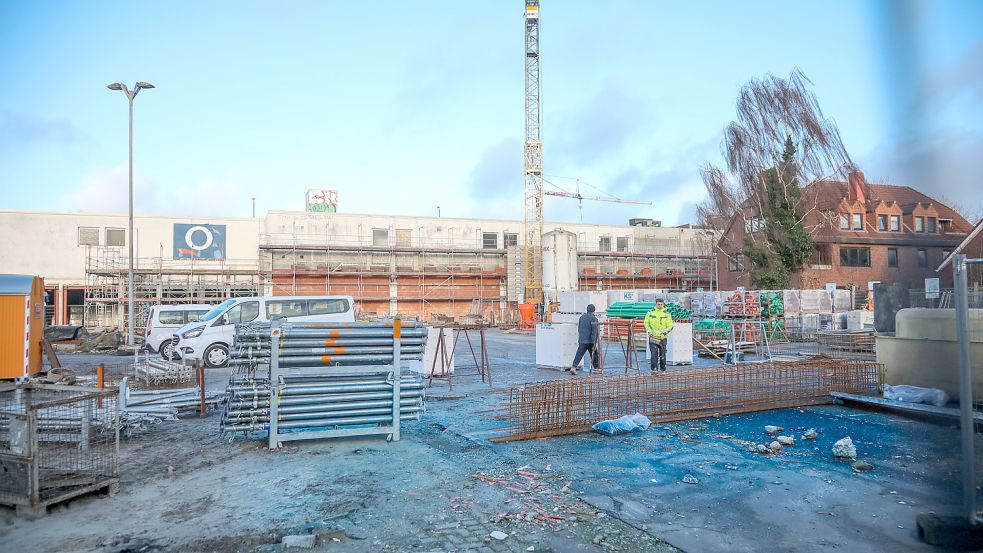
point(862, 232)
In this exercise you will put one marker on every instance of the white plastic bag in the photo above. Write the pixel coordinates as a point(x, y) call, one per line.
point(623, 425)
point(916, 394)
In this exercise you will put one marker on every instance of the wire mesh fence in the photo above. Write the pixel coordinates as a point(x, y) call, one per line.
point(571, 406)
point(56, 442)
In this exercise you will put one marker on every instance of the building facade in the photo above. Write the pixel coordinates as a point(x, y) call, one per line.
point(862, 233)
point(416, 266)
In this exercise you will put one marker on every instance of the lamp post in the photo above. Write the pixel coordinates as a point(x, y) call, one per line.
point(130, 95)
point(438, 211)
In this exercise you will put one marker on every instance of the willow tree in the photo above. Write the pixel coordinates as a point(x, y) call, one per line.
point(779, 143)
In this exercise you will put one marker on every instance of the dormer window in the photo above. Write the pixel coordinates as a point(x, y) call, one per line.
point(844, 221)
point(882, 223)
point(895, 223)
point(932, 225)
point(919, 224)
point(858, 221)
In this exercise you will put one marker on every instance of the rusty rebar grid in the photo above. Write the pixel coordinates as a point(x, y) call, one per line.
point(560, 407)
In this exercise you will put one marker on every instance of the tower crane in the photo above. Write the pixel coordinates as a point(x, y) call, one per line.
point(533, 164)
point(580, 198)
point(533, 167)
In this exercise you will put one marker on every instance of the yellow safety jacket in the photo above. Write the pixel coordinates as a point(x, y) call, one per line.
point(658, 323)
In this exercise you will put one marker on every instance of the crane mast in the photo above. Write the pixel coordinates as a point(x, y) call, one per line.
point(533, 163)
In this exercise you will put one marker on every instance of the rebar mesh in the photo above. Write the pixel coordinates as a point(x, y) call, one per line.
point(56, 441)
point(561, 407)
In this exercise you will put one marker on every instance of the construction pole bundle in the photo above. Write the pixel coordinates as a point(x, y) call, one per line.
point(325, 380)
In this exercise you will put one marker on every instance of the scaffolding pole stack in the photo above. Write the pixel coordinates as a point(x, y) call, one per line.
point(324, 380)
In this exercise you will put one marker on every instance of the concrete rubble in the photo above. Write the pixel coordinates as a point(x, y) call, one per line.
point(844, 448)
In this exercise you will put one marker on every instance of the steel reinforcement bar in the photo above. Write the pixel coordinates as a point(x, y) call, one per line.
point(560, 407)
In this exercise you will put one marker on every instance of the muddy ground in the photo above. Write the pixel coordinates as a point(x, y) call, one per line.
point(445, 487)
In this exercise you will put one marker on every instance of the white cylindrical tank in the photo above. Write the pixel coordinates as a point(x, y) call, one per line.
point(559, 261)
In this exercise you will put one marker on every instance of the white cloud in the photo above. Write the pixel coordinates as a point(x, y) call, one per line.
point(105, 191)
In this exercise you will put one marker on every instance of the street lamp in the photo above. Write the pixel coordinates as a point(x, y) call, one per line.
point(438, 211)
point(130, 95)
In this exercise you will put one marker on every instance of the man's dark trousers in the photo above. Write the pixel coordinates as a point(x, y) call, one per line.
point(658, 351)
point(583, 348)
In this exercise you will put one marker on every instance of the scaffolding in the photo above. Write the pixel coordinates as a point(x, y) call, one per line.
point(159, 281)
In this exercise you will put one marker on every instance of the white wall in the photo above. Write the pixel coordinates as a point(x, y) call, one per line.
point(47, 243)
point(290, 227)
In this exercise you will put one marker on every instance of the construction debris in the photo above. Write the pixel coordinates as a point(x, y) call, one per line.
point(845, 449)
point(860, 466)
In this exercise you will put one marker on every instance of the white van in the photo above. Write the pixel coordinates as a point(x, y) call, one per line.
point(163, 320)
point(210, 338)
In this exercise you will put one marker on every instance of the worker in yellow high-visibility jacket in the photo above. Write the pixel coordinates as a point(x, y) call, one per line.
point(658, 325)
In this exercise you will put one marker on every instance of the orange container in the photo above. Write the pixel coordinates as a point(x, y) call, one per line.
point(527, 311)
point(21, 325)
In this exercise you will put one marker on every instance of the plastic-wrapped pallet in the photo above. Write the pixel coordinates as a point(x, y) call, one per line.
point(810, 322)
point(790, 300)
point(574, 301)
point(809, 301)
point(825, 302)
point(684, 300)
point(842, 301)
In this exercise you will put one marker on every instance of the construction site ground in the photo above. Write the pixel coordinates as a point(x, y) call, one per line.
point(445, 487)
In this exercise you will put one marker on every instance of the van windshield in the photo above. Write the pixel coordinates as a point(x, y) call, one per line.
point(217, 310)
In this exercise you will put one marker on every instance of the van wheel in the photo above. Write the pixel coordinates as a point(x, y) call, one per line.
point(166, 350)
point(216, 356)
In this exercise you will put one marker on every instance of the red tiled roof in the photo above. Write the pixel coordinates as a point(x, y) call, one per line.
point(829, 194)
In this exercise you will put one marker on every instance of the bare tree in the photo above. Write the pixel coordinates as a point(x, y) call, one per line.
point(779, 143)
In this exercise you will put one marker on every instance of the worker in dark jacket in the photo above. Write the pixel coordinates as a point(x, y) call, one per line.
point(586, 336)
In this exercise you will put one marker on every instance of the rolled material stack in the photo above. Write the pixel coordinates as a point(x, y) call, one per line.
point(322, 393)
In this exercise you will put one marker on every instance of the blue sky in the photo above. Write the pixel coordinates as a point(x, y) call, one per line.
point(404, 106)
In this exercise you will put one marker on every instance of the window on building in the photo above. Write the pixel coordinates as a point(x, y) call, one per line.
point(511, 239)
point(327, 307)
point(855, 257)
point(858, 221)
point(115, 237)
point(944, 225)
point(404, 237)
point(946, 253)
point(605, 244)
point(895, 223)
point(844, 221)
point(734, 263)
point(892, 257)
point(922, 258)
point(489, 240)
point(821, 255)
point(88, 236)
point(882, 223)
point(919, 224)
point(622, 243)
point(932, 224)
point(754, 224)
point(380, 237)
